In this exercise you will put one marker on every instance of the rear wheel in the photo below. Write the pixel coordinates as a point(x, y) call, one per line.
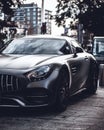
point(92, 81)
point(62, 92)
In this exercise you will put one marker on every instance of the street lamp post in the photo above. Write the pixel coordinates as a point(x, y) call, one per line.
point(43, 23)
point(42, 13)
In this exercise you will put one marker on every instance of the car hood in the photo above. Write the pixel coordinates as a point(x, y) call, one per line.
point(22, 61)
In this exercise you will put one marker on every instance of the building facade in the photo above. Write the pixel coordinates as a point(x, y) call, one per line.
point(28, 18)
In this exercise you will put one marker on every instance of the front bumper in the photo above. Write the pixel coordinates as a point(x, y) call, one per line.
point(24, 101)
point(28, 94)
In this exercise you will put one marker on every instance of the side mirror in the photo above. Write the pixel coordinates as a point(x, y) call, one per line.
point(77, 50)
point(89, 49)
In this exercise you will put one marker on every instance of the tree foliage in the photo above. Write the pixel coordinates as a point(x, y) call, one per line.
point(6, 7)
point(90, 13)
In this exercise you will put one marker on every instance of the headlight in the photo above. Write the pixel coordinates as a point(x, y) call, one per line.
point(39, 73)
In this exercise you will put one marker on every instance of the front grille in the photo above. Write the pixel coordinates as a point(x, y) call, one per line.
point(8, 83)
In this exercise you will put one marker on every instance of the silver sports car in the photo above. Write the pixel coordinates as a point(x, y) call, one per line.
point(44, 70)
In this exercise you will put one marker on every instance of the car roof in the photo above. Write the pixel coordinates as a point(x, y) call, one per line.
point(49, 36)
point(98, 37)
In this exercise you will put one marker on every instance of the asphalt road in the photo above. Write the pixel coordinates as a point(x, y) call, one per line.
point(84, 112)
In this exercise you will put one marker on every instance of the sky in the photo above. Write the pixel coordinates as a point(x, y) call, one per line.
point(49, 5)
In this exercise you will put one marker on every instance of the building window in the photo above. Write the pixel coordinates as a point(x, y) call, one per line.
point(28, 13)
point(28, 10)
point(34, 9)
point(34, 22)
point(34, 18)
point(28, 18)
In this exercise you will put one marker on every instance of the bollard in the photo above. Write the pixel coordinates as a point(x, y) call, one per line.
point(101, 75)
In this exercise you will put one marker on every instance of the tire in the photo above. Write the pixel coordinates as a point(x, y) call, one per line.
point(62, 92)
point(92, 81)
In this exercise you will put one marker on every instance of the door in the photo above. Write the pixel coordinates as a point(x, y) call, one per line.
point(79, 65)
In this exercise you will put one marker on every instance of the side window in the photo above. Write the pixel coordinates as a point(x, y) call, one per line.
point(76, 49)
point(73, 49)
point(66, 49)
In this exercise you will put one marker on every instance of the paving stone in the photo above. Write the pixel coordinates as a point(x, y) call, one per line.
point(83, 113)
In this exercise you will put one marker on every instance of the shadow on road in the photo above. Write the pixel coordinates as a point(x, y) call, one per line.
point(34, 112)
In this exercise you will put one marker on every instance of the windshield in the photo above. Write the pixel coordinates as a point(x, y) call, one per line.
point(35, 46)
point(98, 47)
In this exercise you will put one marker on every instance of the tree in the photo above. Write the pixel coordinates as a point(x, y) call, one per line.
point(90, 13)
point(6, 7)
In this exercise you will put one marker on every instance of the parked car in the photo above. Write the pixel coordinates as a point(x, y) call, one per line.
point(44, 70)
point(98, 52)
point(98, 49)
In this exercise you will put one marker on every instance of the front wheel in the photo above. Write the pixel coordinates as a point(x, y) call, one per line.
point(62, 92)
